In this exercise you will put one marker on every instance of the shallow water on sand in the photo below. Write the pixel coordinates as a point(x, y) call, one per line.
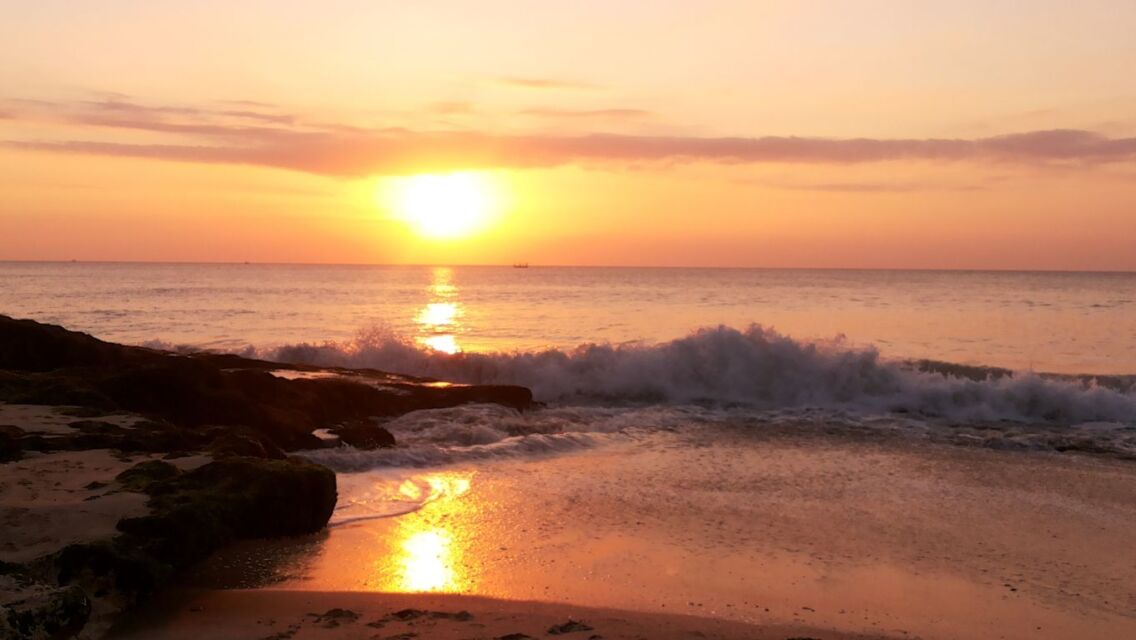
point(831, 531)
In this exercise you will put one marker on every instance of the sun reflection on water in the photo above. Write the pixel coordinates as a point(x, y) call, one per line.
point(438, 314)
point(428, 554)
point(439, 320)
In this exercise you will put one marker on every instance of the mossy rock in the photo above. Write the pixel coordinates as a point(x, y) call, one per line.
point(56, 613)
point(141, 476)
point(196, 512)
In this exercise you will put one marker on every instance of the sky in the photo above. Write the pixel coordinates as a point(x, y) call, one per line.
point(869, 134)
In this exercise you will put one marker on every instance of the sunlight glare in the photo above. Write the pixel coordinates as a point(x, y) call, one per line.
point(445, 343)
point(444, 206)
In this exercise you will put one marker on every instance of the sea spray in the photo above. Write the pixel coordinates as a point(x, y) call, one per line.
point(756, 367)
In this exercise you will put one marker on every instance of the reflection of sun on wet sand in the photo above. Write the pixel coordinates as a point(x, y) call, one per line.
point(428, 557)
point(784, 537)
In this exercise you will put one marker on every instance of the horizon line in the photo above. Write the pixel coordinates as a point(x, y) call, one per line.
point(531, 265)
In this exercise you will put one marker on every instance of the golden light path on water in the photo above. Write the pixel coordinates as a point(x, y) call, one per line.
point(439, 320)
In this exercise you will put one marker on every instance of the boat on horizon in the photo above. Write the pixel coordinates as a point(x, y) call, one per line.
point(520, 265)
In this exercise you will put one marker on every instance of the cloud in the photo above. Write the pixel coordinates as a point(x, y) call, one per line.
point(332, 153)
point(120, 111)
point(248, 103)
point(227, 136)
point(867, 187)
point(606, 114)
point(543, 83)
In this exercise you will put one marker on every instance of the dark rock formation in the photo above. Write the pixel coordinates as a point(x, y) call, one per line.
point(364, 434)
point(10, 442)
point(51, 613)
point(193, 514)
point(231, 407)
point(186, 394)
point(244, 444)
point(572, 626)
point(334, 617)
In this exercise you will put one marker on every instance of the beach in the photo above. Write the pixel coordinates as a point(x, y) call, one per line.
point(731, 481)
point(825, 535)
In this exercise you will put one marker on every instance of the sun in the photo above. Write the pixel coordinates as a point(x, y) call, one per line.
point(443, 206)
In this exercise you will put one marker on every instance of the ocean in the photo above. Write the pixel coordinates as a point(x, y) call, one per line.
point(1075, 323)
point(609, 349)
point(772, 443)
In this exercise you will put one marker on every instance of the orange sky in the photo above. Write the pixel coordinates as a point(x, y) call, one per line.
point(795, 134)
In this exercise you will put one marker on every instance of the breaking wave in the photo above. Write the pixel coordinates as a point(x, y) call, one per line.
point(755, 367)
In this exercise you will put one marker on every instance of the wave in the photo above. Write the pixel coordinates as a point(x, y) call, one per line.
point(754, 367)
point(483, 433)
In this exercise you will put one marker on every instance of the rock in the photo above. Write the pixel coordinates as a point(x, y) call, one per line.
point(196, 511)
point(459, 616)
point(11, 446)
point(334, 617)
point(96, 426)
point(572, 626)
point(116, 569)
point(46, 364)
point(56, 613)
point(364, 434)
point(26, 345)
point(141, 476)
point(245, 443)
point(193, 514)
point(403, 615)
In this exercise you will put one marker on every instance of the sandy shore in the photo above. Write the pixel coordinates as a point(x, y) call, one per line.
point(300, 615)
point(828, 534)
point(50, 500)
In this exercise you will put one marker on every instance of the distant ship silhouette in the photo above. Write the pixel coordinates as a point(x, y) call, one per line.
point(520, 265)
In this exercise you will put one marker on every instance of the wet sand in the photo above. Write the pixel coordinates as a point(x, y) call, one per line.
point(829, 534)
point(311, 615)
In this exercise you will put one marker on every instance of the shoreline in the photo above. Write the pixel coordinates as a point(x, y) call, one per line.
point(861, 535)
point(282, 615)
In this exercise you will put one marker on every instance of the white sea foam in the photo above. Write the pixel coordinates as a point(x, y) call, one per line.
point(473, 433)
point(755, 367)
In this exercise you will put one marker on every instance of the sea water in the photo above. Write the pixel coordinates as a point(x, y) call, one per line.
point(622, 352)
point(1080, 323)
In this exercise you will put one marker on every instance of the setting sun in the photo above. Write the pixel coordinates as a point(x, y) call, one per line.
point(443, 206)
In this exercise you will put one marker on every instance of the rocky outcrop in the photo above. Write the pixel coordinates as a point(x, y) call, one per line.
point(192, 514)
point(193, 399)
point(233, 408)
point(47, 613)
point(229, 499)
point(364, 434)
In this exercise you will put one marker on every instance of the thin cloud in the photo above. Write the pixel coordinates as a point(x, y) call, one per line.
point(248, 103)
point(344, 150)
point(607, 114)
point(118, 111)
point(332, 153)
point(867, 187)
point(543, 83)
